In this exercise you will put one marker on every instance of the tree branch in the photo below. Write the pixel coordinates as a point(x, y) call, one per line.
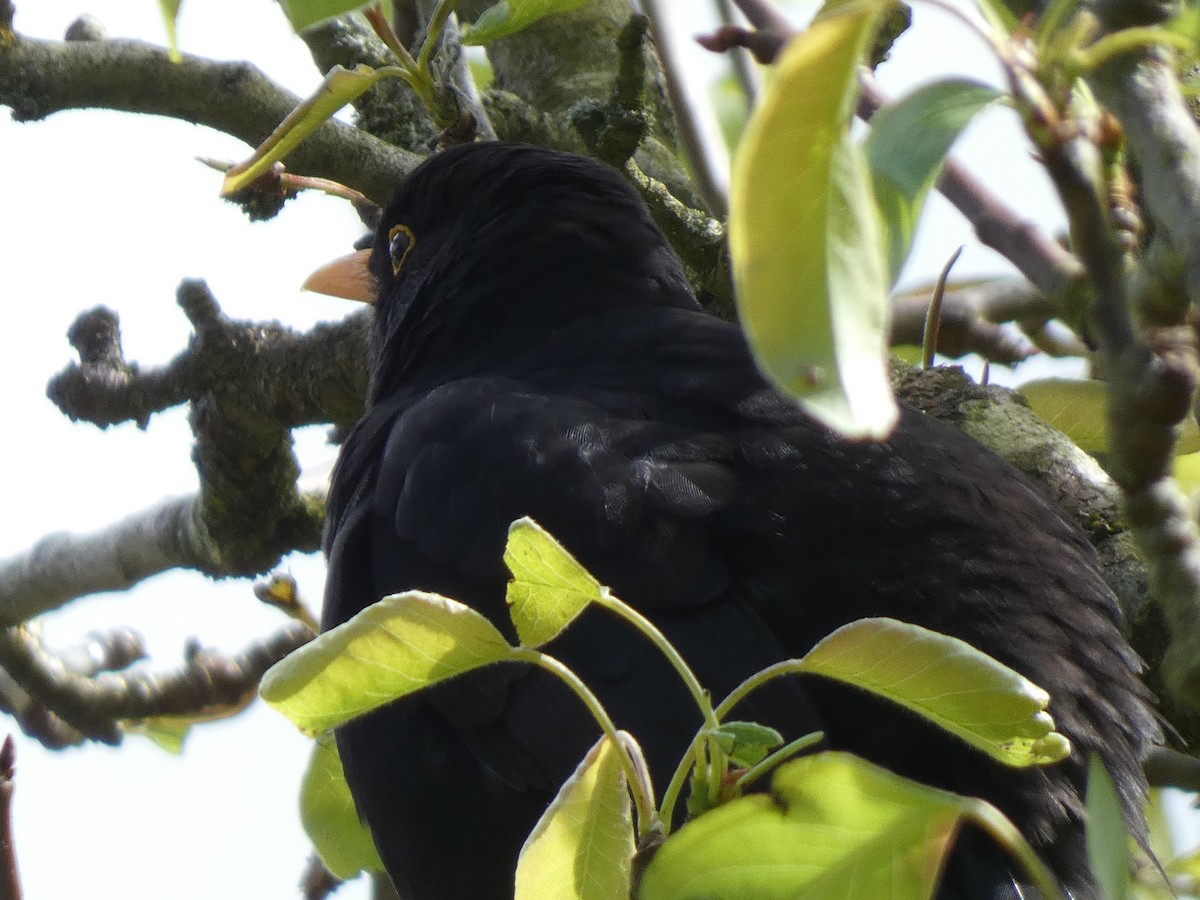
point(10, 880)
point(208, 685)
point(971, 316)
point(61, 567)
point(38, 78)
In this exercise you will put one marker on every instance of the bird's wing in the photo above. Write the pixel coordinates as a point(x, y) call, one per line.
point(630, 497)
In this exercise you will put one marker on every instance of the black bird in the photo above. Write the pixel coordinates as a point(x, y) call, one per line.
point(538, 351)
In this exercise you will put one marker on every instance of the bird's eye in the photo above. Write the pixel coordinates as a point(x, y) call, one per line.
point(400, 243)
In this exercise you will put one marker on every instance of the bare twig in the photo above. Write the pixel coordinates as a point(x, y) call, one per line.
point(10, 880)
point(317, 882)
point(743, 64)
point(1171, 768)
point(698, 128)
point(209, 685)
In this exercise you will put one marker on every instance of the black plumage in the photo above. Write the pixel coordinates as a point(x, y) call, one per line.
point(539, 352)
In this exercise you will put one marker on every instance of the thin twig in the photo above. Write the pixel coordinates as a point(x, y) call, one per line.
point(698, 128)
point(10, 880)
point(208, 685)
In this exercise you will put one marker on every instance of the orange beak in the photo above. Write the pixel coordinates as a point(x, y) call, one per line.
point(347, 277)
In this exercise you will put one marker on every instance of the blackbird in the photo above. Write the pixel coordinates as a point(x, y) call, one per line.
point(537, 351)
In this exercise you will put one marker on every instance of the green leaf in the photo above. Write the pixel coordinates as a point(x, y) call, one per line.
point(999, 16)
point(510, 16)
point(168, 732)
point(1186, 470)
point(1107, 842)
point(907, 148)
point(836, 826)
point(582, 847)
point(341, 86)
point(747, 743)
point(392, 648)
point(1078, 407)
point(805, 235)
point(947, 681)
point(170, 14)
point(303, 13)
point(549, 587)
point(1187, 23)
point(330, 818)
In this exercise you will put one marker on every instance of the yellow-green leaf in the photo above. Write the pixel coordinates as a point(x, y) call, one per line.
point(330, 818)
point(510, 16)
point(303, 13)
point(805, 236)
point(582, 847)
point(549, 587)
point(947, 681)
point(168, 732)
point(835, 827)
point(1078, 407)
point(907, 148)
point(1107, 840)
point(170, 14)
point(341, 86)
point(395, 647)
point(1186, 470)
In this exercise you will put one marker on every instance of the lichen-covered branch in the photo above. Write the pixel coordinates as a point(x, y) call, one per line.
point(249, 385)
point(1152, 379)
point(299, 378)
point(39, 78)
point(1142, 91)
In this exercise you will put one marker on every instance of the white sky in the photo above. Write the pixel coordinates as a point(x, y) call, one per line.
point(104, 208)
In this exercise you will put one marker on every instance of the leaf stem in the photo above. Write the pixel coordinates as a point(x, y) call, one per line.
point(1125, 41)
point(639, 782)
point(757, 680)
point(436, 23)
point(998, 825)
point(648, 628)
point(383, 30)
point(773, 759)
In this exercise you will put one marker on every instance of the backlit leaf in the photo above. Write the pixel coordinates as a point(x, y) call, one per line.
point(170, 14)
point(834, 826)
point(330, 818)
point(303, 13)
point(341, 86)
point(395, 647)
point(947, 681)
point(907, 147)
point(1107, 840)
point(805, 237)
point(510, 16)
point(549, 587)
point(1078, 407)
point(582, 847)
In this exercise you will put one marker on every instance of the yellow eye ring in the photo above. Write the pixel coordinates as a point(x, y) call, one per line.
point(401, 240)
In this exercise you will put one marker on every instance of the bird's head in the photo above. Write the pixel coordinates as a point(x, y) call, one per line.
point(489, 241)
